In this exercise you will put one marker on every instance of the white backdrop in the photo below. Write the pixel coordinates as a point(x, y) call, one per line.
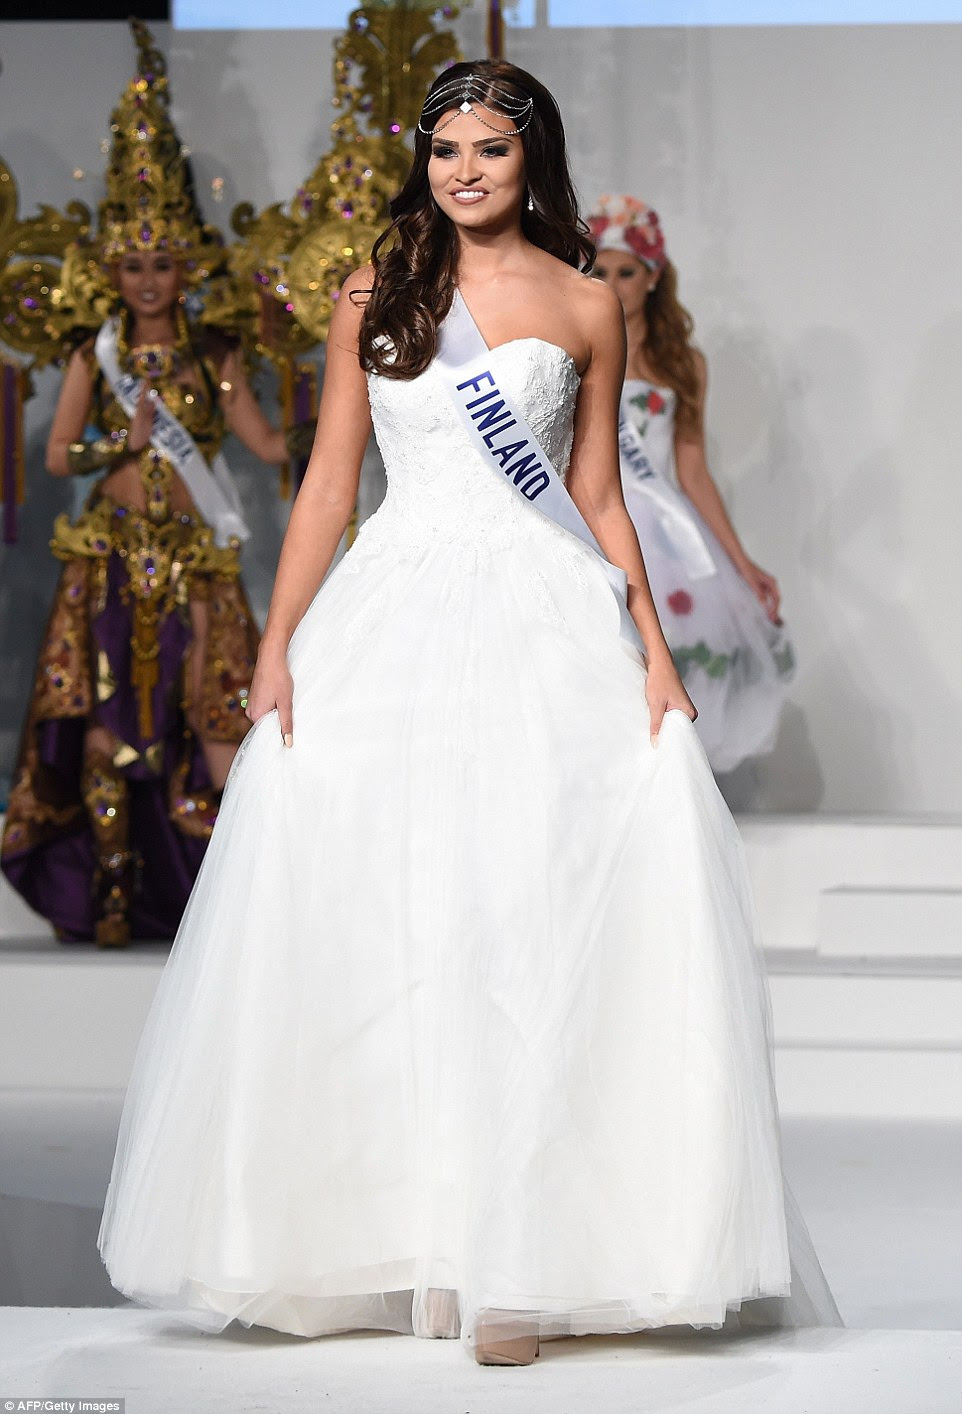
point(807, 180)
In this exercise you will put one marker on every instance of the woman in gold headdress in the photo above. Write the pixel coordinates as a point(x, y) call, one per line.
point(139, 697)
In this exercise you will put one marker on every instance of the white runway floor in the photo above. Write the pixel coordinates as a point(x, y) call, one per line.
point(162, 1369)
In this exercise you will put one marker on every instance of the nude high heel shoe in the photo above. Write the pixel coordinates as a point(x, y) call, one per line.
point(502, 1338)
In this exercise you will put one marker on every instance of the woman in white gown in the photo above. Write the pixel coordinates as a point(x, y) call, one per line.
point(719, 609)
point(464, 1030)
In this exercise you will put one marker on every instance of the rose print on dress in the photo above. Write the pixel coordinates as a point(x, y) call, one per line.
point(680, 602)
point(650, 403)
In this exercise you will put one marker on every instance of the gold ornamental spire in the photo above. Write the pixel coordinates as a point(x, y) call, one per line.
point(296, 259)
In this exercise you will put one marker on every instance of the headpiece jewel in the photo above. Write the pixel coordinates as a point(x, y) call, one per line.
point(469, 89)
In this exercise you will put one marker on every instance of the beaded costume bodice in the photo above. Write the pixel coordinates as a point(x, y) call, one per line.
point(188, 383)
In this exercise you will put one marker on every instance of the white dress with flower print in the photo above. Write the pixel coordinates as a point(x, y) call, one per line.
point(735, 662)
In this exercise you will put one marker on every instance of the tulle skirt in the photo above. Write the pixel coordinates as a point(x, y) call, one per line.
point(735, 663)
point(466, 1012)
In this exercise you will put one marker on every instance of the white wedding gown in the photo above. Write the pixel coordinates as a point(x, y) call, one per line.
point(465, 1011)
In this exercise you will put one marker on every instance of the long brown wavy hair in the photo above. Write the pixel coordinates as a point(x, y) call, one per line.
point(416, 259)
point(668, 347)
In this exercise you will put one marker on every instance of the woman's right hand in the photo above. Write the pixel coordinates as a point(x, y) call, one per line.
point(272, 687)
point(665, 692)
point(142, 422)
point(765, 588)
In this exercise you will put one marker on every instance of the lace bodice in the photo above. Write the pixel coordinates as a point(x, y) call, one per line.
point(440, 489)
point(652, 412)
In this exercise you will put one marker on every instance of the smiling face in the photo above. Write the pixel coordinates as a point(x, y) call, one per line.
point(629, 277)
point(148, 281)
point(476, 175)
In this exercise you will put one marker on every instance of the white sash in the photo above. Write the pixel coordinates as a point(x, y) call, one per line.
point(501, 434)
point(212, 487)
point(677, 522)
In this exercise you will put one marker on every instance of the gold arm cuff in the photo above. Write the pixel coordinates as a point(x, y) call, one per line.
point(90, 456)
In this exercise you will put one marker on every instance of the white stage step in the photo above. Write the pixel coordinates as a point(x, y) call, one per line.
point(890, 922)
point(857, 886)
point(862, 1042)
point(71, 1015)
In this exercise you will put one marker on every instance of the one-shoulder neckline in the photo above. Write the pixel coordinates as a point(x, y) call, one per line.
point(523, 339)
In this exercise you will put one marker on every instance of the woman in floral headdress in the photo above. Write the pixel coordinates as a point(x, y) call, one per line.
point(719, 610)
point(139, 697)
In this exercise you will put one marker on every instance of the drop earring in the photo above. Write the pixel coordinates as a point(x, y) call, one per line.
point(530, 202)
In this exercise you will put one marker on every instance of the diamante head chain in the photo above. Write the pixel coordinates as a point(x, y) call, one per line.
point(469, 89)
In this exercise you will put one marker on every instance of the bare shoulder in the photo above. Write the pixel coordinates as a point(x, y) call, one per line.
point(600, 319)
point(356, 289)
point(79, 375)
point(349, 306)
point(83, 359)
point(590, 312)
point(359, 282)
point(597, 303)
point(593, 306)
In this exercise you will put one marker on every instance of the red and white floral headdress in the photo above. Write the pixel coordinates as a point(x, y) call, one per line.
point(624, 223)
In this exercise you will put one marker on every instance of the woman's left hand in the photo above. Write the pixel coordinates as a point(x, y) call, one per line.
point(664, 691)
point(765, 588)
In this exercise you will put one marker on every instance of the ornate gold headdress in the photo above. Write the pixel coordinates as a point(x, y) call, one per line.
point(150, 202)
